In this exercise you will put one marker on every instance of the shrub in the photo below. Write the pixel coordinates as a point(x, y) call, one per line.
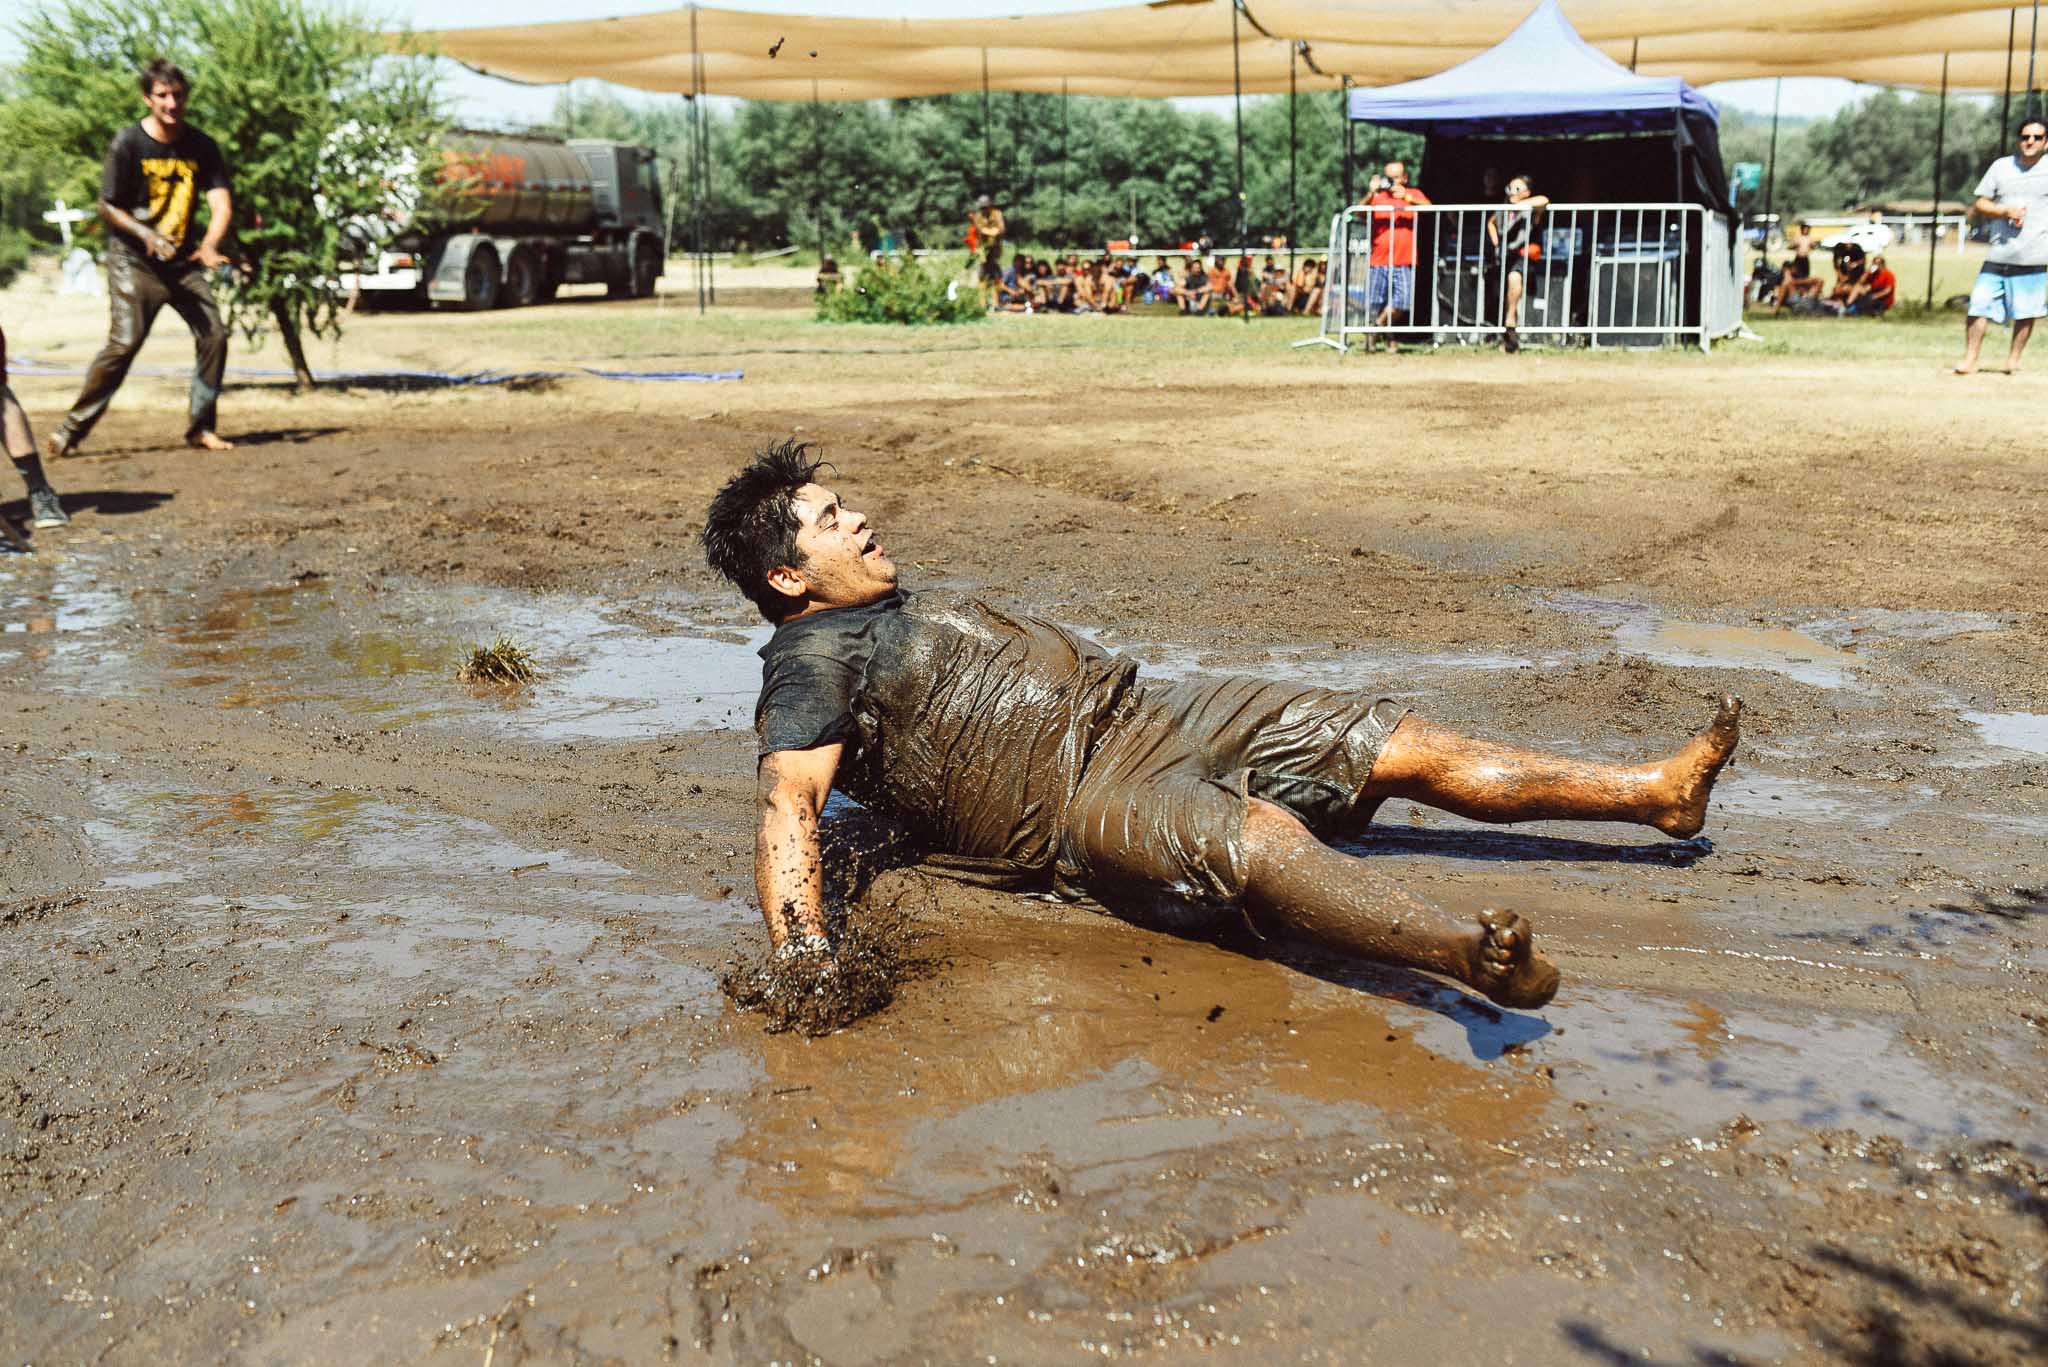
point(887, 292)
point(14, 249)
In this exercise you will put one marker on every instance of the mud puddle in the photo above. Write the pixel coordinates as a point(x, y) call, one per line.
point(335, 877)
point(388, 657)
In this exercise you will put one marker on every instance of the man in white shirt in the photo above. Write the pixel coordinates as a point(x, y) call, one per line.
point(2012, 287)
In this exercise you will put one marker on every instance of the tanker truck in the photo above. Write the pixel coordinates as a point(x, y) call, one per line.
point(508, 220)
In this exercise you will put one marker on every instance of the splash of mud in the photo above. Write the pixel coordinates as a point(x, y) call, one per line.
point(878, 948)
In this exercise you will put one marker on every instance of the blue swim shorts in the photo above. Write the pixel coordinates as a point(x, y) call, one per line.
point(2010, 294)
point(1393, 285)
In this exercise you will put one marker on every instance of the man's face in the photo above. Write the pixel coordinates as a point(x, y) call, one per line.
point(843, 563)
point(1395, 172)
point(167, 103)
point(2033, 139)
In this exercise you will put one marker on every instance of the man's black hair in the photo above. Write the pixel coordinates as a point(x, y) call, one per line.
point(750, 530)
point(161, 71)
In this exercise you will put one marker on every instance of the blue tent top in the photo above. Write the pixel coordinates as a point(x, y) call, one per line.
point(1542, 79)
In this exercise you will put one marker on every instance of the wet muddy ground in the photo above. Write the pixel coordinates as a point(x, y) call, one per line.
point(351, 1014)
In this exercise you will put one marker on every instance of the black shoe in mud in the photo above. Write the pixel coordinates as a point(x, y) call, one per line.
point(1511, 343)
point(44, 509)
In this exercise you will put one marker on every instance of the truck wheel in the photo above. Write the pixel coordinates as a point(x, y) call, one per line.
point(480, 280)
point(522, 281)
point(646, 270)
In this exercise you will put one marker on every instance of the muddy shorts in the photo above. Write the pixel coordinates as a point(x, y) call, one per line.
point(1160, 806)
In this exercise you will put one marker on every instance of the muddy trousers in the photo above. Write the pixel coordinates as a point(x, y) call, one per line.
point(136, 293)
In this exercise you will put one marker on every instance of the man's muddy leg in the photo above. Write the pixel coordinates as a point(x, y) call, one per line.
point(1298, 886)
point(1486, 781)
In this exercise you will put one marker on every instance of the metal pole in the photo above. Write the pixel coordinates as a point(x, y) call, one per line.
point(1292, 188)
point(696, 159)
point(1633, 45)
point(1063, 156)
point(1237, 98)
point(704, 142)
point(1344, 118)
point(2012, 19)
point(987, 186)
point(1771, 173)
point(2033, 46)
point(817, 172)
point(1934, 218)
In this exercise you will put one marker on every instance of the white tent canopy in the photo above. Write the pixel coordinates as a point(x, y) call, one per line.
point(1185, 47)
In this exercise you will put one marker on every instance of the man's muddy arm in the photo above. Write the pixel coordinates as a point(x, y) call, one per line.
point(220, 212)
point(153, 242)
point(788, 876)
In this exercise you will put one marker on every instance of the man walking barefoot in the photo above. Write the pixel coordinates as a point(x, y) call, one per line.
point(2012, 287)
point(154, 175)
point(1020, 750)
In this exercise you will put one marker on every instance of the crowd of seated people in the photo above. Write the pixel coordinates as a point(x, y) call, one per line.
point(1214, 286)
point(1864, 287)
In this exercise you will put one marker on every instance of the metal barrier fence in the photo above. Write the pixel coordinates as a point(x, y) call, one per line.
point(1565, 274)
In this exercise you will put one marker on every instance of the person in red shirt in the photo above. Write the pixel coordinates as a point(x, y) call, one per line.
point(1872, 295)
point(1390, 273)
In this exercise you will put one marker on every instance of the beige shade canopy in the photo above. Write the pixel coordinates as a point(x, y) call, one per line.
point(1184, 47)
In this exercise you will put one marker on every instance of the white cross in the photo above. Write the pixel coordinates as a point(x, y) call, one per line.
point(64, 216)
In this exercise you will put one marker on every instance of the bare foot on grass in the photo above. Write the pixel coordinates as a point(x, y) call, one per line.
point(1505, 965)
point(1688, 776)
point(209, 441)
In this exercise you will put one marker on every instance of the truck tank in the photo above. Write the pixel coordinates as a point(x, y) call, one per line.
point(498, 183)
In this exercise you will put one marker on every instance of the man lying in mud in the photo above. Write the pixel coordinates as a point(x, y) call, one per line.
point(1016, 747)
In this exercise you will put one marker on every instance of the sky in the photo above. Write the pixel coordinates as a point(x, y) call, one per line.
point(483, 100)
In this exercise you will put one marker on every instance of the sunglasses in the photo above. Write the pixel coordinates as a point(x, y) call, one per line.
point(2033, 137)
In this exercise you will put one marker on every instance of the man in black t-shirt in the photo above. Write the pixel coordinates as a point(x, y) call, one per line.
point(156, 173)
point(1012, 746)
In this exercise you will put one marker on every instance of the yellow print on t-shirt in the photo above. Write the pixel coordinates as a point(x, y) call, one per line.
point(171, 181)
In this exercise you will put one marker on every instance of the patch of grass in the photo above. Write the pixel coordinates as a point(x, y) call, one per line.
point(501, 662)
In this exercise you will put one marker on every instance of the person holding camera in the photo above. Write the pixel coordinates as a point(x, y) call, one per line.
point(1390, 269)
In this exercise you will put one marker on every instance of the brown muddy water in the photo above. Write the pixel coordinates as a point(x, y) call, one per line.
point(354, 1015)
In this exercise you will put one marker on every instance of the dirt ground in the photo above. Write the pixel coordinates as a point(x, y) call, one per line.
point(351, 1015)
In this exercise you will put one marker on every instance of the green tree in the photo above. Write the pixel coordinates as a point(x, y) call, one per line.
point(323, 127)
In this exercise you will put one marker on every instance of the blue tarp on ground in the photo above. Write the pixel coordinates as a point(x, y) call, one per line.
point(1542, 80)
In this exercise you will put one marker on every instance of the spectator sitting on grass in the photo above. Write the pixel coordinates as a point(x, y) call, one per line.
point(1193, 292)
point(1013, 291)
point(828, 277)
point(1221, 295)
point(1872, 295)
point(1164, 282)
point(1849, 267)
point(1798, 280)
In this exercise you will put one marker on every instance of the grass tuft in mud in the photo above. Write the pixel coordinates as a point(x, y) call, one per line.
point(501, 662)
point(876, 950)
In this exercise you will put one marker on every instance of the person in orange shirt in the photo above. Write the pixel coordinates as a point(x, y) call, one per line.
point(1221, 292)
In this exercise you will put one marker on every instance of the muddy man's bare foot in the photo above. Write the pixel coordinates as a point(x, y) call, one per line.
point(1505, 964)
point(1689, 775)
point(209, 441)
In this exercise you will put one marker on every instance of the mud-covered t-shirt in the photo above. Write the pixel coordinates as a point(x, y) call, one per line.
point(968, 723)
point(160, 183)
